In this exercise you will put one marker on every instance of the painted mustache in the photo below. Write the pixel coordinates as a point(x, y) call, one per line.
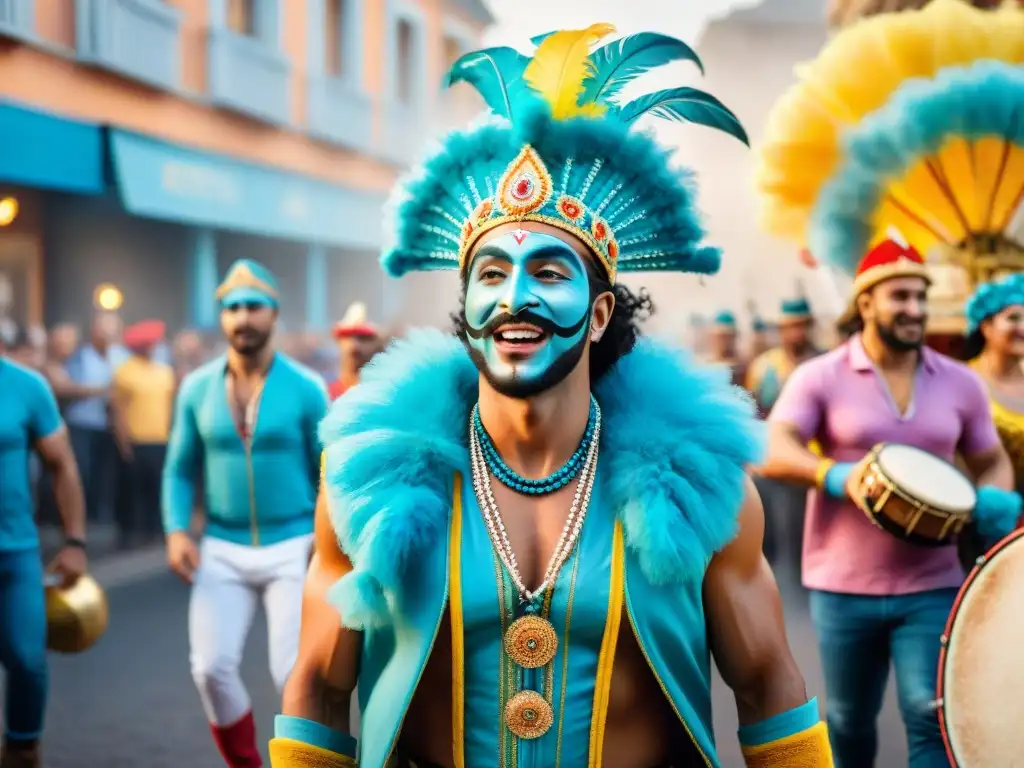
point(527, 316)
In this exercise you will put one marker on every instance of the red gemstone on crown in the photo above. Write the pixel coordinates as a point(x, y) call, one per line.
point(523, 188)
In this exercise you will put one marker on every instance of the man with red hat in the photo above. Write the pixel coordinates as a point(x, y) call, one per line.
point(358, 341)
point(142, 401)
point(877, 600)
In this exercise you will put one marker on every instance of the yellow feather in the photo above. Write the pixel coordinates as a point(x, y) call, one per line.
point(560, 66)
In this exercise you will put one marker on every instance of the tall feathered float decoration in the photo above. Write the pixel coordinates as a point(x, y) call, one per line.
point(844, 12)
point(910, 122)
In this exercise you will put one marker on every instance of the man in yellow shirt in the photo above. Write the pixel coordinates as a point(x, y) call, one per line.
point(142, 401)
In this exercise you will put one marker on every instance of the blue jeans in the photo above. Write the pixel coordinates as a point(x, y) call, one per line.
point(23, 642)
point(858, 636)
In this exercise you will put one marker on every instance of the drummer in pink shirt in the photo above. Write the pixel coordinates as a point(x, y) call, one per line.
point(876, 599)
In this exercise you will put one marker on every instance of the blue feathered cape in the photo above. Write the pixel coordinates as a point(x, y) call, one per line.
point(675, 440)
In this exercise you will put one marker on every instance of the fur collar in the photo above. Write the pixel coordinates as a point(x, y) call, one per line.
point(675, 441)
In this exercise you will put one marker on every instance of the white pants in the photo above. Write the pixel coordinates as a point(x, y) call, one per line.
point(228, 583)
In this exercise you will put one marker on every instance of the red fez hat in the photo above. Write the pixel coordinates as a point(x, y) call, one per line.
point(144, 334)
point(354, 323)
point(891, 258)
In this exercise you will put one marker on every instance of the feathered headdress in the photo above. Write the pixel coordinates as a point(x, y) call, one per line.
point(561, 151)
point(992, 298)
point(912, 121)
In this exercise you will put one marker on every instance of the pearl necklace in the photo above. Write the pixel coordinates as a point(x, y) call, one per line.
point(496, 527)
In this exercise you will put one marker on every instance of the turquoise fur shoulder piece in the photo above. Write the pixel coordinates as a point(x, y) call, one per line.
point(972, 102)
point(676, 439)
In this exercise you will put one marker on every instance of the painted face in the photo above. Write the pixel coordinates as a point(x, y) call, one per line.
point(527, 312)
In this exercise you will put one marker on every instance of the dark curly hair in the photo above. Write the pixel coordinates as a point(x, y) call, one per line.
point(631, 310)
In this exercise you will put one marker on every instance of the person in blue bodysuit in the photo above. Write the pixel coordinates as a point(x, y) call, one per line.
point(245, 423)
point(538, 530)
point(30, 422)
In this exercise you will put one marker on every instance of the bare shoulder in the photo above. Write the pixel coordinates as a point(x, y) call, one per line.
point(745, 549)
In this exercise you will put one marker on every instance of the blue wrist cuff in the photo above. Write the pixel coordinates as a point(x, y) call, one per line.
point(835, 480)
point(781, 725)
point(315, 734)
point(997, 512)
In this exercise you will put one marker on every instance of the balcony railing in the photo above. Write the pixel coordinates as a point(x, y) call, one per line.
point(138, 39)
point(248, 76)
point(17, 18)
point(340, 113)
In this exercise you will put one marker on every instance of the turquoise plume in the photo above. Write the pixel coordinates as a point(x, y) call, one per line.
point(497, 74)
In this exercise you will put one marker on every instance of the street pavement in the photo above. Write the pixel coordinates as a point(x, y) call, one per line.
point(129, 702)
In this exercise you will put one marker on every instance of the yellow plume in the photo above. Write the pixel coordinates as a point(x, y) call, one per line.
point(560, 66)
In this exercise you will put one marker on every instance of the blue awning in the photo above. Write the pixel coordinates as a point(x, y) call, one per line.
point(38, 149)
point(167, 181)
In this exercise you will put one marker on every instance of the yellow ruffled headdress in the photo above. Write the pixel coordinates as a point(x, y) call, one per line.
point(909, 121)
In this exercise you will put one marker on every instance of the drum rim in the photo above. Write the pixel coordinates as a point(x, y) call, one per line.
point(940, 684)
point(876, 454)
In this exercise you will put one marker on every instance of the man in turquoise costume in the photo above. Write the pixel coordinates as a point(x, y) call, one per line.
point(538, 532)
point(246, 424)
point(724, 346)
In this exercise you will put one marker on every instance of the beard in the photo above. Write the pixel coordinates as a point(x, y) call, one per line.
point(889, 336)
point(514, 386)
point(521, 389)
point(249, 341)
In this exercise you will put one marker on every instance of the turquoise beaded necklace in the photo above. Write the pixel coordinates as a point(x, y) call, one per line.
point(553, 482)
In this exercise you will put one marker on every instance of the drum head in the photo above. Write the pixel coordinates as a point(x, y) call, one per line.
point(981, 670)
point(927, 478)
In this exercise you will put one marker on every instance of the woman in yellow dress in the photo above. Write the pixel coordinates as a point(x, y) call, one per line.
point(995, 347)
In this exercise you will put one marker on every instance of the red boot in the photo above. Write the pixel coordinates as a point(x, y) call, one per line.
point(237, 743)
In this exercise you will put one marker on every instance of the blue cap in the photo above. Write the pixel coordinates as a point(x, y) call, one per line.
point(248, 282)
point(795, 309)
point(759, 325)
point(725, 319)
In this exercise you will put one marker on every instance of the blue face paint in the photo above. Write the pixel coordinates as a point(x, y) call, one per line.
point(527, 279)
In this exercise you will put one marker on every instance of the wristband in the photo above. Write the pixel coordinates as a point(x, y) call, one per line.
point(73, 541)
point(823, 467)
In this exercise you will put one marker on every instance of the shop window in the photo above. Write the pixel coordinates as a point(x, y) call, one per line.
point(241, 17)
point(405, 69)
point(334, 37)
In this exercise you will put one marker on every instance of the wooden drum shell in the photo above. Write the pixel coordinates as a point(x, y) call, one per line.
point(894, 510)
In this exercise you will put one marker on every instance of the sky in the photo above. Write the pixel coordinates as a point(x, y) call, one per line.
point(518, 20)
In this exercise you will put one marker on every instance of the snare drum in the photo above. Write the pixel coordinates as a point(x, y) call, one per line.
point(981, 669)
point(915, 495)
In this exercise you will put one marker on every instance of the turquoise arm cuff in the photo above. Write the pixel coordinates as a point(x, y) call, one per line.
point(315, 734)
point(781, 725)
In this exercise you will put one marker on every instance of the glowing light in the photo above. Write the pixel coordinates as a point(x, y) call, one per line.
point(8, 210)
point(108, 297)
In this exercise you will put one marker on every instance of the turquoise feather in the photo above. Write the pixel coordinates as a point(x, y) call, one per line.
point(685, 105)
point(618, 63)
point(495, 73)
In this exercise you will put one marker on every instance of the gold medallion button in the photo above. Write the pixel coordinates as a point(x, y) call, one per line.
point(528, 715)
point(531, 642)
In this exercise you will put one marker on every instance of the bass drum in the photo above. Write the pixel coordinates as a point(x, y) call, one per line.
point(981, 667)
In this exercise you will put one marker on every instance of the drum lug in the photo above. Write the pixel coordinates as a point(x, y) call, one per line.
point(936, 704)
point(981, 560)
point(944, 640)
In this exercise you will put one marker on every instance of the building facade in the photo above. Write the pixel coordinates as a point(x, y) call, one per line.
point(146, 144)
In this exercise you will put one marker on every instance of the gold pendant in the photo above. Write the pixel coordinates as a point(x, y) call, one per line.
point(531, 641)
point(528, 715)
